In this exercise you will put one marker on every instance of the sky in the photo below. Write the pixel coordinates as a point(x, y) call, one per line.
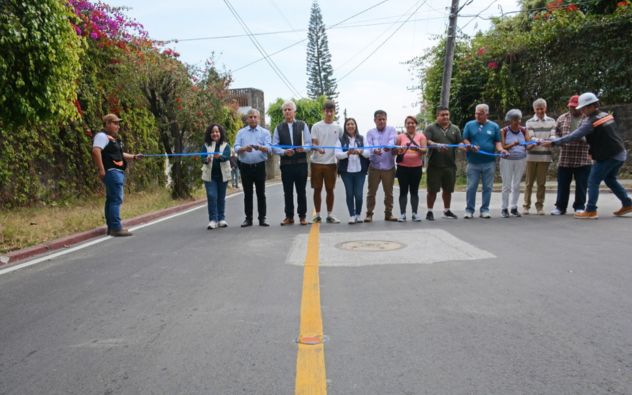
point(368, 51)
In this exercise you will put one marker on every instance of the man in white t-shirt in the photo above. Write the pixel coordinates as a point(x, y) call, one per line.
point(325, 133)
point(111, 162)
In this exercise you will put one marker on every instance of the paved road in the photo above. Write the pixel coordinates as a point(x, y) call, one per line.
point(502, 306)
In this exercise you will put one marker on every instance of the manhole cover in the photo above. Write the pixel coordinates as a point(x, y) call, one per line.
point(370, 245)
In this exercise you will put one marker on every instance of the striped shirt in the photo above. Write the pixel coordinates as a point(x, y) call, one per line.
point(574, 153)
point(541, 129)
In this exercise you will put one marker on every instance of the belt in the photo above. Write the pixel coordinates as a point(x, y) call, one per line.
point(252, 165)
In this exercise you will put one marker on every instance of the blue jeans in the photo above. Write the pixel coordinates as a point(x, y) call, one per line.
point(234, 175)
point(216, 197)
point(354, 185)
point(564, 177)
point(475, 172)
point(114, 181)
point(605, 170)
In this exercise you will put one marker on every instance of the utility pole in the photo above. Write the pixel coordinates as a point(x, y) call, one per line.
point(449, 55)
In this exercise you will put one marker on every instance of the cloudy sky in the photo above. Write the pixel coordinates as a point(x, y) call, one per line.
point(368, 50)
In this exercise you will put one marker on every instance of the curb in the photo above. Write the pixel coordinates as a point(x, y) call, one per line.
point(68, 241)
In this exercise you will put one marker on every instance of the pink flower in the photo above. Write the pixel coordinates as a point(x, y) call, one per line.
point(622, 4)
point(492, 65)
point(481, 51)
point(78, 30)
point(94, 35)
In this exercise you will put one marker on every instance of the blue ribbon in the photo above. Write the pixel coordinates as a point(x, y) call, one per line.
point(432, 146)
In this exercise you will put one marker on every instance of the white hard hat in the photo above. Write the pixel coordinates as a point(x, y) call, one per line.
point(586, 99)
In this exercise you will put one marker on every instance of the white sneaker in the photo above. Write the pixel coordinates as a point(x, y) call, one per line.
point(358, 219)
point(468, 215)
point(556, 211)
point(525, 211)
point(485, 214)
point(212, 225)
point(540, 211)
point(353, 220)
point(223, 224)
point(416, 218)
point(402, 218)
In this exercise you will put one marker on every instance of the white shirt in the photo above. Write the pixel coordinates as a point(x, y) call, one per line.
point(327, 134)
point(100, 140)
point(354, 165)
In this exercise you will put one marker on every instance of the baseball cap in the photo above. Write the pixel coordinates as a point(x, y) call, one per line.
point(573, 101)
point(111, 118)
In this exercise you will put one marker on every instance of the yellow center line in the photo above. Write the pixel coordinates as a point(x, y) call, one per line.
point(310, 360)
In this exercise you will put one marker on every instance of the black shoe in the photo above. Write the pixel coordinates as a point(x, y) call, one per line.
point(449, 214)
point(504, 213)
point(262, 222)
point(515, 213)
point(247, 222)
point(429, 216)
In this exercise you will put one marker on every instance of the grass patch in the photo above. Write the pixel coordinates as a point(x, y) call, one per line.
point(24, 227)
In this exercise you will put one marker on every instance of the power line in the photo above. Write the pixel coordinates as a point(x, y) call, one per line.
point(371, 42)
point(305, 39)
point(262, 51)
point(380, 45)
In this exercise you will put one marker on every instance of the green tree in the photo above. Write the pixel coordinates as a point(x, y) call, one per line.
point(320, 73)
point(307, 110)
point(39, 63)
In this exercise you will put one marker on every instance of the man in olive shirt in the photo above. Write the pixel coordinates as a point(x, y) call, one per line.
point(441, 171)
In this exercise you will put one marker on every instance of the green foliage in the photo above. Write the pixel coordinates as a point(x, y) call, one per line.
point(553, 53)
point(39, 62)
point(320, 73)
point(308, 110)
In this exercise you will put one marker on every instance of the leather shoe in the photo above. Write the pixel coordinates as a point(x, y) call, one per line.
point(304, 221)
point(287, 221)
point(246, 223)
point(262, 222)
point(120, 233)
point(390, 218)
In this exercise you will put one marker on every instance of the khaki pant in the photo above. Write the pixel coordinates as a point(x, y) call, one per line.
point(536, 172)
point(387, 178)
point(327, 174)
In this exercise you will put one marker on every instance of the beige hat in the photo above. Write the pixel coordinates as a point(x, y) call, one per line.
point(111, 118)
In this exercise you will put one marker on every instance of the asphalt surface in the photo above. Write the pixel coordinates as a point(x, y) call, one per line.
point(537, 305)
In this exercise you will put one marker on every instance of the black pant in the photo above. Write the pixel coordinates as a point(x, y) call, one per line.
point(564, 177)
point(408, 179)
point(294, 176)
point(254, 174)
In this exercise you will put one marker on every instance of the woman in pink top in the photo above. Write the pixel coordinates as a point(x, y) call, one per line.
point(409, 166)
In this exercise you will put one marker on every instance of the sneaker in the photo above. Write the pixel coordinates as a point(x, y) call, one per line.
point(212, 225)
point(223, 224)
point(504, 213)
point(390, 218)
point(623, 211)
point(525, 211)
point(557, 211)
point(368, 218)
point(358, 219)
point(449, 214)
point(485, 214)
point(515, 213)
point(587, 215)
point(332, 220)
point(416, 218)
point(402, 218)
point(429, 216)
point(540, 211)
point(316, 219)
point(303, 221)
point(468, 215)
point(353, 220)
